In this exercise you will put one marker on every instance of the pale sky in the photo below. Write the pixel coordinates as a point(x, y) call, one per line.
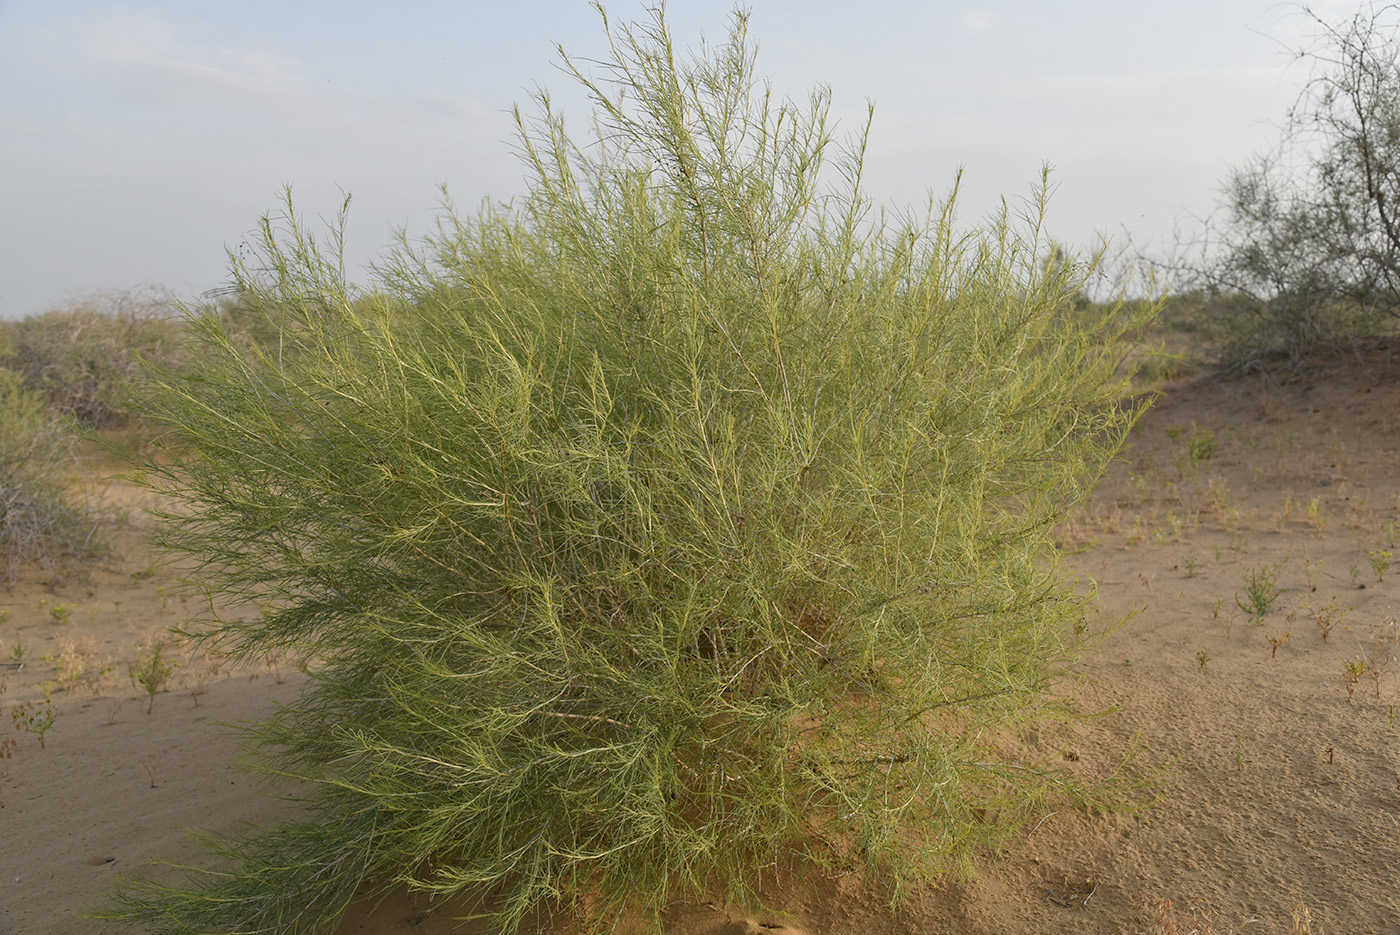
point(139, 141)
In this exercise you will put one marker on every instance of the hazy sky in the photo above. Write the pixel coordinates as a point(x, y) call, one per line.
point(138, 140)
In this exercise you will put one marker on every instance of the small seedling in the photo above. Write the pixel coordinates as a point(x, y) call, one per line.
point(1215, 609)
point(1310, 569)
point(1260, 590)
point(150, 672)
point(34, 717)
point(1355, 668)
point(1202, 657)
point(1380, 562)
point(1382, 652)
point(1392, 534)
point(1275, 641)
point(62, 613)
point(18, 652)
point(1317, 515)
point(1191, 563)
point(1355, 572)
point(1327, 616)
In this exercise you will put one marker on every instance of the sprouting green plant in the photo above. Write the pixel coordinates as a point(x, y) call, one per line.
point(4, 615)
point(1191, 563)
point(1380, 562)
point(1202, 657)
point(1354, 669)
point(18, 652)
point(1215, 608)
point(634, 519)
point(62, 613)
point(151, 671)
point(1275, 641)
point(1391, 528)
point(1317, 514)
point(1355, 572)
point(1310, 569)
point(1201, 445)
point(34, 717)
point(1328, 616)
point(1260, 590)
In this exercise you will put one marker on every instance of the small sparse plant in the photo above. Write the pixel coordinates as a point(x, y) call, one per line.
point(1202, 657)
point(34, 717)
point(19, 652)
point(1391, 529)
point(1380, 562)
point(151, 671)
point(1310, 569)
point(1275, 641)
point(1217, 496)
point(1317, 515)
point(1354, 669)
point(62, 613)
point(1381, 654)
point(1327, 616)
point(1260, 590)
point(1191, 563)
point(1215, 609)
point(1355, 572)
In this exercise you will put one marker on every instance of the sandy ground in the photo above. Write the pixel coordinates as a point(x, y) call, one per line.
point(1278, 769)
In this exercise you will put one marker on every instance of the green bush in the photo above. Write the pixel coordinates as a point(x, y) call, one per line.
point(40, 526)
point(86, 359)
point(684, 520)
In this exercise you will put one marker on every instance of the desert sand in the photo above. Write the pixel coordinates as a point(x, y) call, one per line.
point(1275, 766)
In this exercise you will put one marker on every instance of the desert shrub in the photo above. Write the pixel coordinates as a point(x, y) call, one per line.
point(685, 520)
point(86, 358)
point(1306, 247)
point(40, 525)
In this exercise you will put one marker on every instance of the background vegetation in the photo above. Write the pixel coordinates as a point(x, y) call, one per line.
point(1305, 250)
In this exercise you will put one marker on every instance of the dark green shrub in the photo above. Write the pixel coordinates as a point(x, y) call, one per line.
point(684, 520)
point(87, 358)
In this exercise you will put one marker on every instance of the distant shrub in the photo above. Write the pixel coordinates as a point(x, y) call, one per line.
point(683, 521)
point(40, 526)
point(86, 358)
point(1306, 251)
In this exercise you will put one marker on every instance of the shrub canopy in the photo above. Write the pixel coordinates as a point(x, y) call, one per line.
point(684, 519)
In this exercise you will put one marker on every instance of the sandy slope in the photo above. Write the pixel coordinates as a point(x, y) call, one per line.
point(1278, 790)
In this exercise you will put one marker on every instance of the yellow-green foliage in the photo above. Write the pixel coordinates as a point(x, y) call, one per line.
point(683, 518)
